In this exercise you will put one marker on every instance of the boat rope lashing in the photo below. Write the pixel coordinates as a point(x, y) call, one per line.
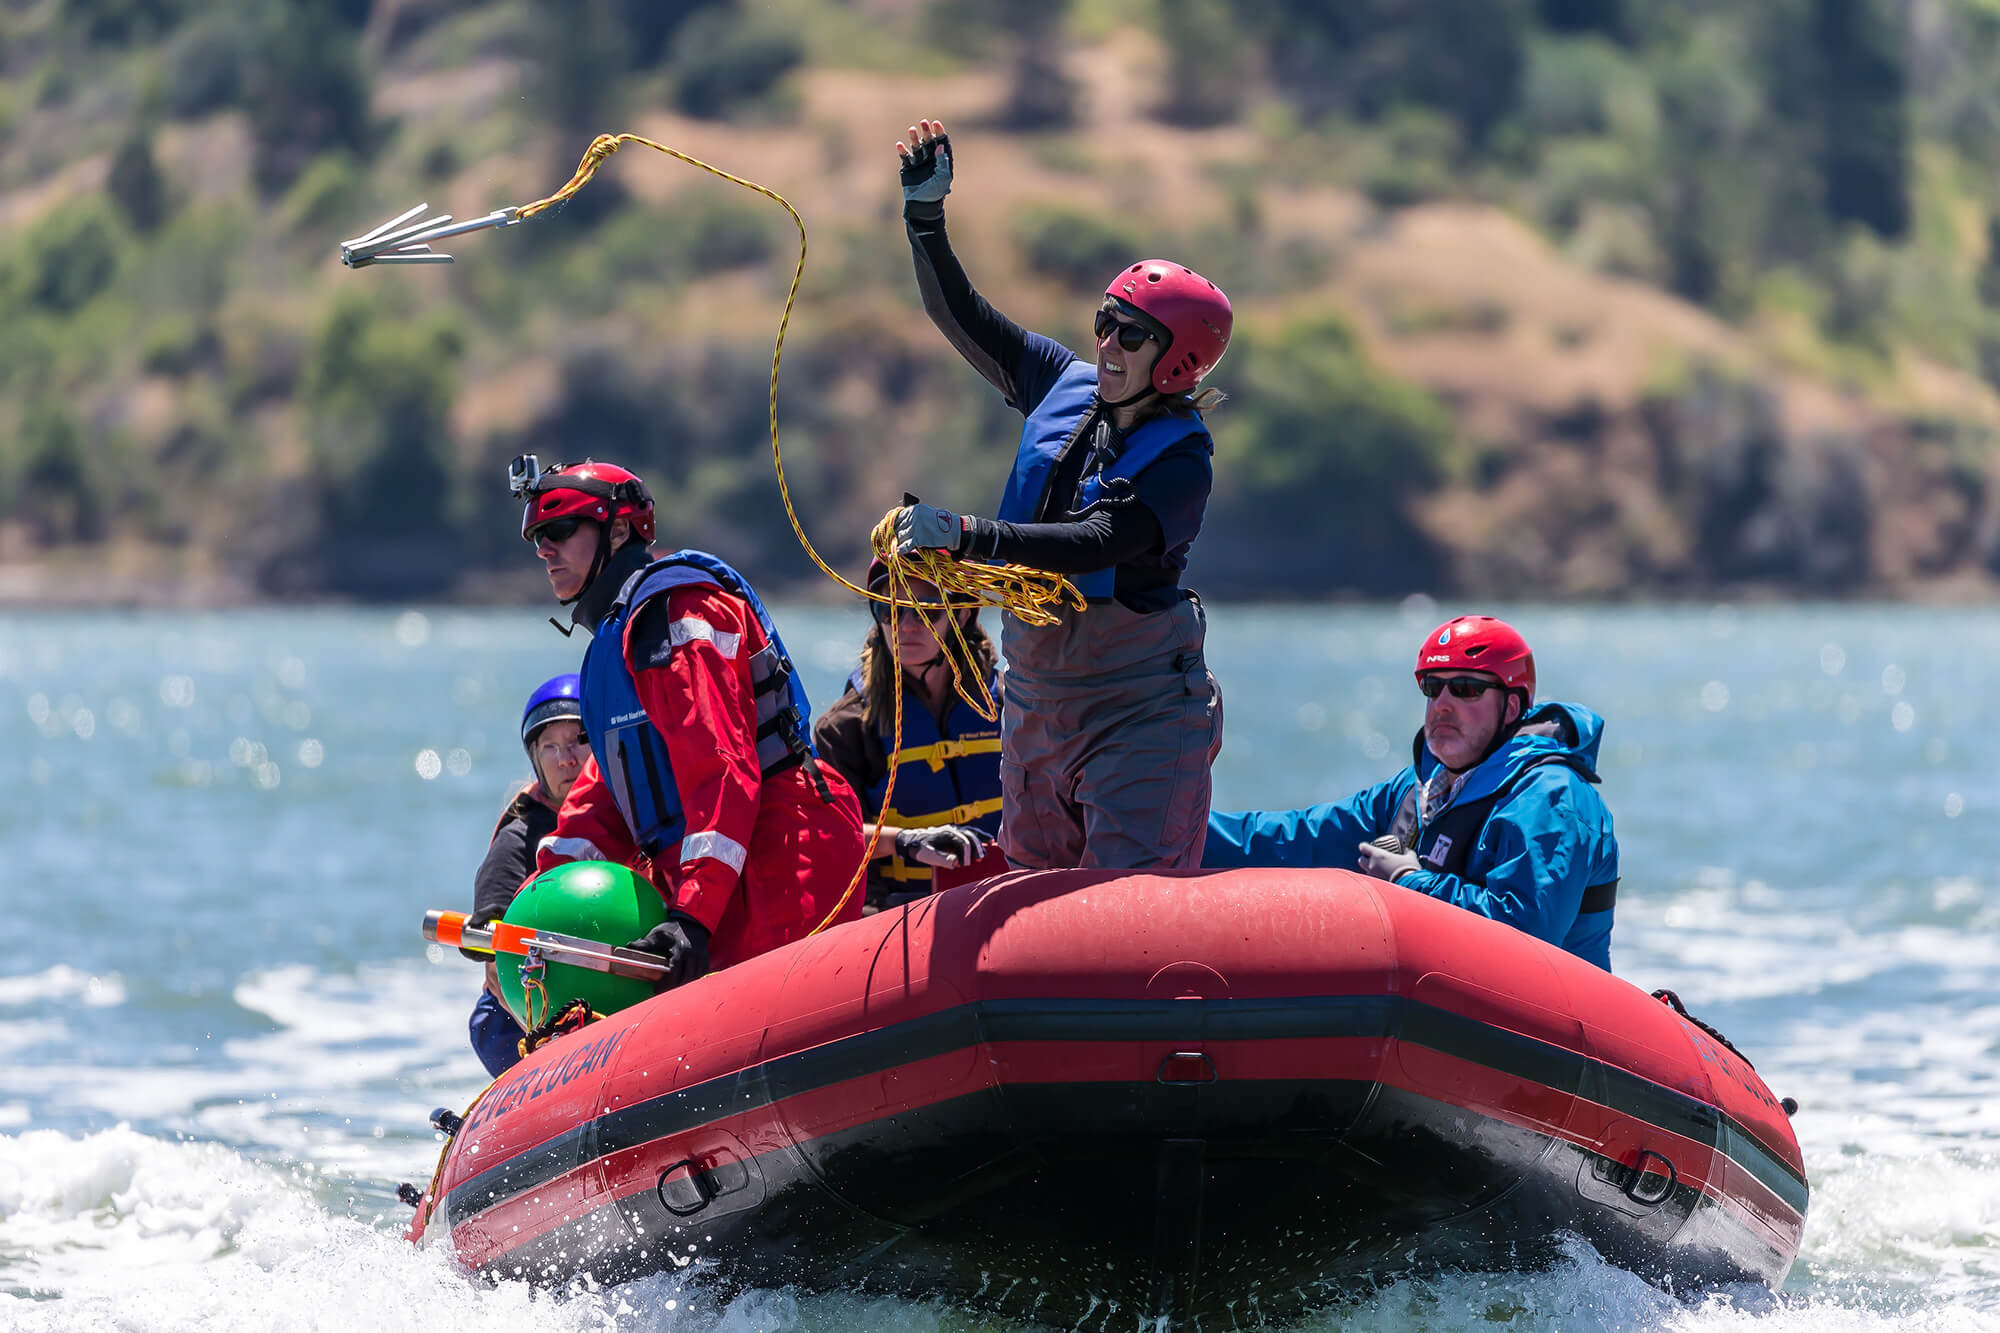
point(572, 1017)
point(1673, 1002)
point(1035, 596)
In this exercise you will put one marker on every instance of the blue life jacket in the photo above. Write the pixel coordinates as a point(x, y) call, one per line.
point(944, 775)
point(630, 751)
point(1050, 430)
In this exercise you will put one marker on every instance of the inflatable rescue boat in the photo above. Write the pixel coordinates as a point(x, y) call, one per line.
point(1058, 1093)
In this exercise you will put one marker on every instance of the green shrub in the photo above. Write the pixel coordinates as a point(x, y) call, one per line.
point(205, 67)
point(72, 256)
point(120, 22)
point(1414, 159)
point(1572, 86)
point(179, 345)
point(378, 390)
point(1208, 63)
point(724, 62)
point(306, 93)
point(1317, 464)
point(1078, 248)
point(55, 492)
point(328, 195)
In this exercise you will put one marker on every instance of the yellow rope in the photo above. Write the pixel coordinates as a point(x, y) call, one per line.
point(1034, 596)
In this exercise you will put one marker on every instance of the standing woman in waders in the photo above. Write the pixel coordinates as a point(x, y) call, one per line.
point(1111, 715)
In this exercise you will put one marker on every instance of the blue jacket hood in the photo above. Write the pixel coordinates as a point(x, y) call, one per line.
point(1550, 730)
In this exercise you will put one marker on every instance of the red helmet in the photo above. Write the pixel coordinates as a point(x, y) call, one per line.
point(596, 491)
point(1480, 643)
point(1191, 310)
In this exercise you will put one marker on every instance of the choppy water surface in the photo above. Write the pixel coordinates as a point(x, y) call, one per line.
point(220, 1032)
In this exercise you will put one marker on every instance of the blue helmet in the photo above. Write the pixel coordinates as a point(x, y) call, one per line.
point(554, 699)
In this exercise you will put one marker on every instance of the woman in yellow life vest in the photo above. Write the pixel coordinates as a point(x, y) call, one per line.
point(947, 812)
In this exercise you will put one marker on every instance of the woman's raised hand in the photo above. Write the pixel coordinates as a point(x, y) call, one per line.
point(925, 153)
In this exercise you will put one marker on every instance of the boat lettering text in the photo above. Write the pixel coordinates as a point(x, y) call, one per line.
point(585, 1058)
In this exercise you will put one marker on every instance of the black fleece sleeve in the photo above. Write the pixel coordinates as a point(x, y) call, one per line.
point(1108, 535)
point(509, 861)
point(1020, 364)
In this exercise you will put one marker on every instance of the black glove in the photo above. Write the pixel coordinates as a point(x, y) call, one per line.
point(683, 942)
point(927, 171)
point(480, 921)
point(947, 846)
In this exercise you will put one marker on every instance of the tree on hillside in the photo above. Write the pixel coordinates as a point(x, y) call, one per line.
point(1317, 466)
point(1040, 96)
point(581, 56)
point(1865, 152)
point(135, 183)
point(378, 392)
point(1208, 66)
point(122, 22)
point(1362, 57)
point(305, 90)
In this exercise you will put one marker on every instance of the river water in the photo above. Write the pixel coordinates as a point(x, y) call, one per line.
point(220, 1032)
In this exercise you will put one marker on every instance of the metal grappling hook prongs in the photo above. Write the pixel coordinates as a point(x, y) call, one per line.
point(406, 238)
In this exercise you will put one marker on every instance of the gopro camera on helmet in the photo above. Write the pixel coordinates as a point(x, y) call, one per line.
point(522, 474)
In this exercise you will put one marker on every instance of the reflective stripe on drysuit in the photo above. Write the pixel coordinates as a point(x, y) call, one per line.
point(947, 774)
point(1111, 715)
point(629, 750)
point(1525, 840)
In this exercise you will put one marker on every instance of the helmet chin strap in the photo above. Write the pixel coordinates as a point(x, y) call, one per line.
point(1127, 402)
point(596, 565)
point(1504, 732)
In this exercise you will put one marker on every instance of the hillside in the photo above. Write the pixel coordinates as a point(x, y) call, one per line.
point(1442, 380)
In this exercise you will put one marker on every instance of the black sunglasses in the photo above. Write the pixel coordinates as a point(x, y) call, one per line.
point(557, 530)
point(1131, 336)
point(1461, 687)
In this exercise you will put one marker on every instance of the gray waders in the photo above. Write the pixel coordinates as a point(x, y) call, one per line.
point(1111, 721)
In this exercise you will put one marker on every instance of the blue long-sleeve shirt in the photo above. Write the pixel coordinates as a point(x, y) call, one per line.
point(1545, 840)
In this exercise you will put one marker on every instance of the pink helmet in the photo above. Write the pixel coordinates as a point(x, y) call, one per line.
point(1191, 309)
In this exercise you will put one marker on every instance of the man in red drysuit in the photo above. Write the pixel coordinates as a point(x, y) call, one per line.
point(702, 775)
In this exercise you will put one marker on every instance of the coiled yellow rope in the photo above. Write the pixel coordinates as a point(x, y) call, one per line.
point(1035, 596)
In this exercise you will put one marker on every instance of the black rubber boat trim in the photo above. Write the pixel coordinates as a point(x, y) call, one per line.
point(992, 1021)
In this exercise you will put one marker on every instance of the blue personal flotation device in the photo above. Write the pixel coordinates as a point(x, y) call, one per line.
point(1052, 428)
point(944, 775)
point(630, 751)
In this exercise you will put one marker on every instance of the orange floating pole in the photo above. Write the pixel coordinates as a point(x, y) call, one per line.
point(450, 929)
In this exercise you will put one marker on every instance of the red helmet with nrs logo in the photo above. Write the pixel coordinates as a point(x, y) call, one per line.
point(599, 492)
point(1188, 308)
point(1481, 643)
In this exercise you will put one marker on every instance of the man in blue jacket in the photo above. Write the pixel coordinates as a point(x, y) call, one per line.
point(1497, 813)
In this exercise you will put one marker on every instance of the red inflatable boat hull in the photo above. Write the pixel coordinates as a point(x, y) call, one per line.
point(1183, 1093)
